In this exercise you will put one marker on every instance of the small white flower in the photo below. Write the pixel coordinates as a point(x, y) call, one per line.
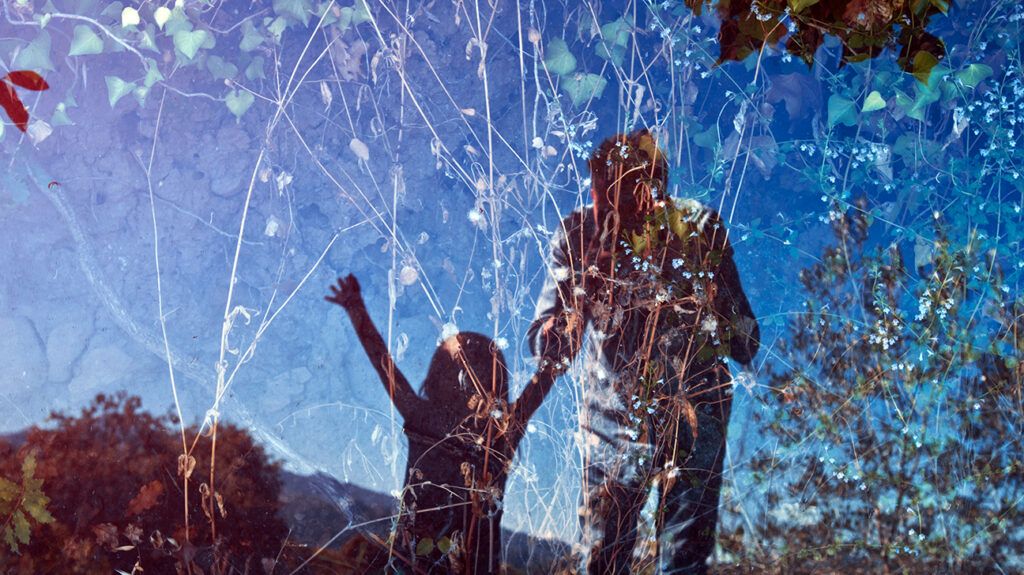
point(709, 324)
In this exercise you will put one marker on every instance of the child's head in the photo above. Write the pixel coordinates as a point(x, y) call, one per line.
point(464, 365)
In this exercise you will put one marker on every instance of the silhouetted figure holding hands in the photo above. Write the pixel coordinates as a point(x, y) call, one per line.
point(654, 278)
point(462, 437)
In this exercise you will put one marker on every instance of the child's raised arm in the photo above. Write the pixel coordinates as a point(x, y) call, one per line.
point(347, 294)
point(531, 398)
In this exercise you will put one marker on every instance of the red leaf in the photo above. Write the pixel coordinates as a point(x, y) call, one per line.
point(148, 496)
point(27, 79)
point(12, 105)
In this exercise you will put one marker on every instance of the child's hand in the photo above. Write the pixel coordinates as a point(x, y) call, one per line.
point(347, 293)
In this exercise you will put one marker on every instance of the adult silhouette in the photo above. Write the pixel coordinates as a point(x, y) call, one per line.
point(654, 279)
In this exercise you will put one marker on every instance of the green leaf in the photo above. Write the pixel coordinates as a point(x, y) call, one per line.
point(297, 10)
point(444, 544)
point(221, 69)
point(21, 527)
point(255, 69)
point(153, 74)
point(147, 40)
point(425, 546)
point(797, 6)
point(85, 42)
point(238, 101)
point(36, 507)
point(922, 66)
point(188, 43)
point(708, 138)
point(973, 75)
point(117, 88)
point(558, 59)
point(583, 87)
point(841, 110)
point(35, 56)
point(8, 489)
point(140, 93)
point(909, 107)
point(9, 539)
point(361, 12)
point(611, 52)
point(277, 27)
point(176, 23)
point(617, 32)
point(251, 37)
point(345, 20)
point(60, 118)
point(873, 102)
point(112, 11)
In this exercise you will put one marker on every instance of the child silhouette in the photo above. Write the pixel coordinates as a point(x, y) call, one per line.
point(462, 436)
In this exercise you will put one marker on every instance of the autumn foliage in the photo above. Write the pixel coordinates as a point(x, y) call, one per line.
point(117, 499)
point(9, 99)
point(864, 28)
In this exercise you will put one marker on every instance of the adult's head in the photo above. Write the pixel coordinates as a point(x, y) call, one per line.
point(628, 173)
point(464, 365)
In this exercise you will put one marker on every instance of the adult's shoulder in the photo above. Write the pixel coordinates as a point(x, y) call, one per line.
point(695, 211)
point(579, 220)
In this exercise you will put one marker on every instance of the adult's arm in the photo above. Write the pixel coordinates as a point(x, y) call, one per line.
point(731, 304)
point(556, 332)
point(348, 295)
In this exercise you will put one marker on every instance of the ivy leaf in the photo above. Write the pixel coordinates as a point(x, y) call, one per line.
point(117, 89)
point(161, 15)
point(841, 110)
point(147, 40)
point(129, 17)
point(360, 12)
point(922, 66)
point(873, 102)
point(188, 43)
point(255, 69)
point(153, 74)
point(239, 101)
point(617, 32)
point(583, 87)
point(35, 56)
point(251, 37)
point(85, 42)
point(297, 10)
point(708, 138)
point(558, 59)
point(221, 69)
point(425, 546)
point(277, 27)
point(444, 544)
point(60, 118)
point(797, 6)
point(973, 75)
point(611, 52)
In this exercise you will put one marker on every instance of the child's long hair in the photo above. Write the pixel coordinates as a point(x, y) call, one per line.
point(464, 365)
